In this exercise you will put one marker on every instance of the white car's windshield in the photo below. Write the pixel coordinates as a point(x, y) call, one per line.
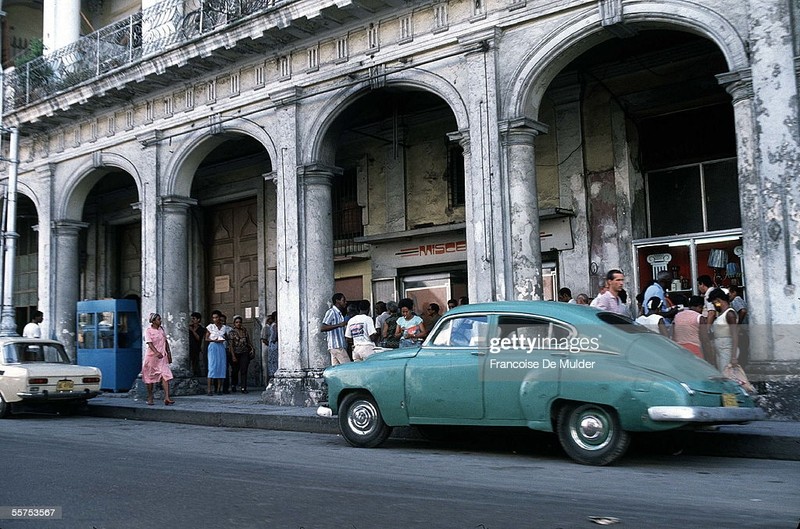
point(29, 353)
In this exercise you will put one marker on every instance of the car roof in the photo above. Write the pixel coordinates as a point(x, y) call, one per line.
point(571, 312)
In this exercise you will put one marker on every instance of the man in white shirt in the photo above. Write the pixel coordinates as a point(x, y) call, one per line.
point(361, 331)
point(609, 300)
point(32, 329)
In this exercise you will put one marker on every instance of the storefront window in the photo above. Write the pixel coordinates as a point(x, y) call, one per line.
point(718, 256)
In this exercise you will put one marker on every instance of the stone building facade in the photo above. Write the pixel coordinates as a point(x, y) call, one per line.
point(259, 155)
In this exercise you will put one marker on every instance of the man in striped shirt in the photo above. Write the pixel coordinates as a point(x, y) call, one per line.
point(333, 324)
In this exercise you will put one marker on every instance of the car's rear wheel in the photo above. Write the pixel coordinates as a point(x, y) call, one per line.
point(5, 408)
point(360, 421)
point(591, 434)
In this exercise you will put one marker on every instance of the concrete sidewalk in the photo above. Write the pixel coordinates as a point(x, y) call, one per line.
point(762, 439)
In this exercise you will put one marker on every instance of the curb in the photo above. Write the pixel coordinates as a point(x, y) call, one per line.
point(310, 424)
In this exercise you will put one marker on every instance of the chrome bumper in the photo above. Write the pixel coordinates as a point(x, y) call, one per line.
point(62, 395)
point(719, 415)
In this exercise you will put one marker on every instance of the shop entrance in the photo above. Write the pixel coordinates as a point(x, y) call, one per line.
point(434, 287)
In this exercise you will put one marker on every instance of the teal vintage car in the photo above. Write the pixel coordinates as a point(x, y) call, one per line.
point(590, 376)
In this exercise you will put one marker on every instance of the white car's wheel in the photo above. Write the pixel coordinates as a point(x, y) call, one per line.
point(591, 434)
point(360, 421)
point(5, 408)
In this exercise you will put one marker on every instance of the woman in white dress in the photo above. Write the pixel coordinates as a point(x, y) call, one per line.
point(726, 334)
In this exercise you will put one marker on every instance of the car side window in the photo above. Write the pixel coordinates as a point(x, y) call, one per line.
point(529, 327)
point(465, 331)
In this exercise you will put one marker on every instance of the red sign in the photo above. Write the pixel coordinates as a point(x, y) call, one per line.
point(441, 248)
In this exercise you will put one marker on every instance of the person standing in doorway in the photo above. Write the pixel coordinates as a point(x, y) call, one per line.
point(217, 344)
point(32, 329)
point(155, 367)
point(333, 325)
point(243, 352)
point(272, 346)
point(196, 334)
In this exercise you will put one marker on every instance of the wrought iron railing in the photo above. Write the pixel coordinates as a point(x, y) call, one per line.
point(123, 43)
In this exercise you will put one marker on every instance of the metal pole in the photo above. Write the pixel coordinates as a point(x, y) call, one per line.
point(8, 325)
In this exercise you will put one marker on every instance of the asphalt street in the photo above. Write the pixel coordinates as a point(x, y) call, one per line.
point(112, 473)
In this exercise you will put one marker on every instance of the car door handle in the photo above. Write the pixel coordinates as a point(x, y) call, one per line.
point(478, 353)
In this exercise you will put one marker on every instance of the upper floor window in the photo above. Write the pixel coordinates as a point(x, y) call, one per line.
point(693, 198)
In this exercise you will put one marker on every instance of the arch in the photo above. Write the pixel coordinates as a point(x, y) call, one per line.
point(583, 31)
point(180, 169)
point(317, 150)
point(84, 179)
point(24, 189)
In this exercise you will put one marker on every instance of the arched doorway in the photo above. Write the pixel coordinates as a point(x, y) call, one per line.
point(232, 261)
point(642, 152)
point(402, 173)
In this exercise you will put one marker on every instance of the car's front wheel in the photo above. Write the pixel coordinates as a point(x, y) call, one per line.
point(591, 434)
point(360, 421)
point(5, 408)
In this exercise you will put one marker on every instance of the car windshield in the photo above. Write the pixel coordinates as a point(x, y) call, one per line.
point(30, 353)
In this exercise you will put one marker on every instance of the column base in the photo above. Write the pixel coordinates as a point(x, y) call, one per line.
point(778, 385)
point(296, 388)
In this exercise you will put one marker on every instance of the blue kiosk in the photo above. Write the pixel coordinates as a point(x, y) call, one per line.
point(110, 338)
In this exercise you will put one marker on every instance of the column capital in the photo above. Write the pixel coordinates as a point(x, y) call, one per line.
point(176, 202)
point(521, 131)
point(461, 137)
point(271, 176)
point(67, 227)
point(318, 174)
point(738, 84)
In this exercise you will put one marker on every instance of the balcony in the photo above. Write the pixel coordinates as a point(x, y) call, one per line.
point(173, 41)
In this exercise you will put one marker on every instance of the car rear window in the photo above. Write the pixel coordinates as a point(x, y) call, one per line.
point(27, 353)
point(622, 323)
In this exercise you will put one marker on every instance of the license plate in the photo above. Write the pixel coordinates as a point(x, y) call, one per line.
point(64, 385)
point(729, 400)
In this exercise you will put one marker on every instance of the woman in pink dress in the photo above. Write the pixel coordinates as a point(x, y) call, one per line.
point(155, 367)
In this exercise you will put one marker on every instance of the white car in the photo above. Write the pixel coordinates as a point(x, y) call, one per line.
point(34, 371)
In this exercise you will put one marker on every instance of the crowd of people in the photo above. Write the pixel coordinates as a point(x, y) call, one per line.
point(709, 325)
point(353, 335)
point(217, 351)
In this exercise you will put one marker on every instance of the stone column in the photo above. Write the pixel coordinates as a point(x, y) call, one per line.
point(65, 288)
point(488, 269)
point(526, 253)
point(61, 23)
point(317, 254)
point(305, 286)
point(768, 156)
point(173, 280)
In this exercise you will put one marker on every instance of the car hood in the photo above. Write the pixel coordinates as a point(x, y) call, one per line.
point(661, 355)
point(58, 370)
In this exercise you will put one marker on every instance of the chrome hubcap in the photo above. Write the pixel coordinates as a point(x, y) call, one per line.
point(362, 418)
point(591, 429)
